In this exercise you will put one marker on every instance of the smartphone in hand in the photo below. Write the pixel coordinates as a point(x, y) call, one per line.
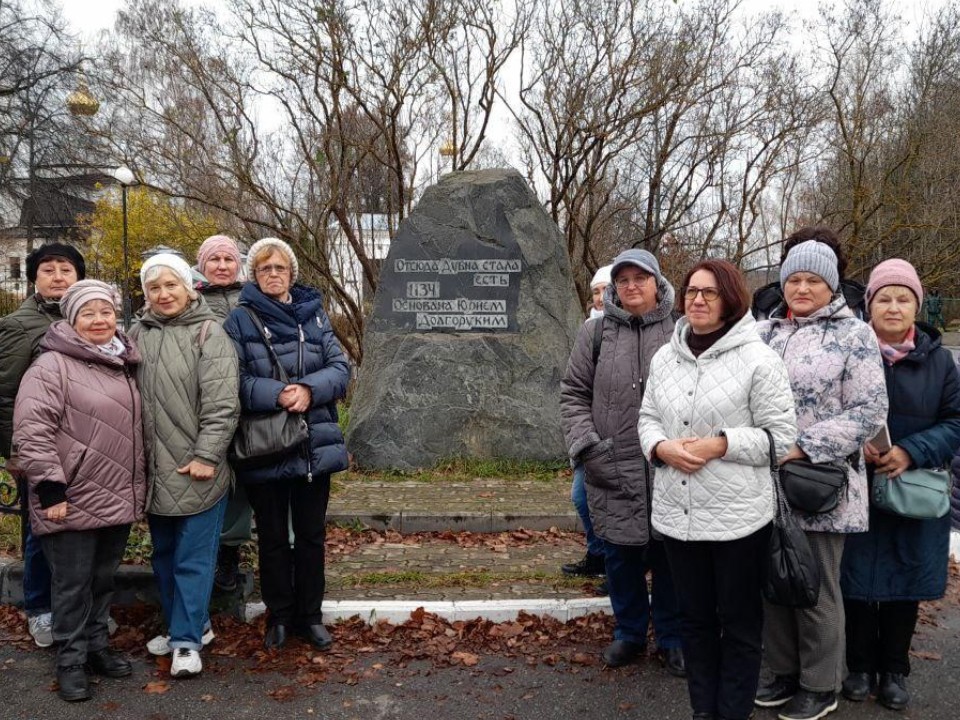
point(881, 441)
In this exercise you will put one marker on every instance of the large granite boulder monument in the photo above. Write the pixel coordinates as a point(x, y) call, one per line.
point(472, 325)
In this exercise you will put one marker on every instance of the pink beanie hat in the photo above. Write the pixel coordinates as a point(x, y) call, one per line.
point(80, 293)
point(216, 244)
point(894, 272)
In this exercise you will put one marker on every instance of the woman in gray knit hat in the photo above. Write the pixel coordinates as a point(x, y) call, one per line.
point(836, 375)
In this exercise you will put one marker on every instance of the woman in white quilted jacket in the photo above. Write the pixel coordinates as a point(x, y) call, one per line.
point(715, 391)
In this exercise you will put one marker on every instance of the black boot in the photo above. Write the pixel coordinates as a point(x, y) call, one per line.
point(317, 635)
point(620, 653)
point(109, 663)
point(73, 683)
point(892, 692)
point(857, 686)
point(589, 566)
point(777, 691)
point(809, 705)
point(226, 577)
point(672, 660)
point(276, 637)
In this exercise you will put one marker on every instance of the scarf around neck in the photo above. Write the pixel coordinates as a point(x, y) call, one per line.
point(894, 353)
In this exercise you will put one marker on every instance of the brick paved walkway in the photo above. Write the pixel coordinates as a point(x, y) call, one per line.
point(483, 505)
point(437, 569)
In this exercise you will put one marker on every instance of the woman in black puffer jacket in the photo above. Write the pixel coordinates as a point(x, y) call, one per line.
point(297, 485)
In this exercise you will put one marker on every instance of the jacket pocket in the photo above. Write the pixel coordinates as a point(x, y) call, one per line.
point(75, 470)
point(600, 464)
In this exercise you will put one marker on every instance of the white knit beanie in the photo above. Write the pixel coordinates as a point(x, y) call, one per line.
point(172, 262)
point(273, 244)
point(601, 277)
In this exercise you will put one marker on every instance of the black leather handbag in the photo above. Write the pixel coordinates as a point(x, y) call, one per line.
point(793, 576)
point(811, 487)
point(262, 436)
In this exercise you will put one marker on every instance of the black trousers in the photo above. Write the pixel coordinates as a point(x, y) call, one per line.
point(718, 588)
point(82, 563)
point(291, 579)
point(879, 635)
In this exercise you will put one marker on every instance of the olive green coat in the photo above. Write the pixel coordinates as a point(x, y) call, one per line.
point(221, 299)
point(20, 335)
point(191, 403)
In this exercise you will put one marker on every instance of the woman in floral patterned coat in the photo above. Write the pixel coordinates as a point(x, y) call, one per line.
point(838, 384)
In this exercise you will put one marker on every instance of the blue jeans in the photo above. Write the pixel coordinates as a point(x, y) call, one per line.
point(36, 576)
point(578, 493)
point(184, 560)
point(627, 567)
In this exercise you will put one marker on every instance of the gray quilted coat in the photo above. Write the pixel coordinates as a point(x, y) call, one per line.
point(78, 422)
point(599, 406)
point(739, 387)
point(191, 403)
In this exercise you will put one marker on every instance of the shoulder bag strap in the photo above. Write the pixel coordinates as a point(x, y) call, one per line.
point(258, 323)
point(204, 331)
point(779, 500)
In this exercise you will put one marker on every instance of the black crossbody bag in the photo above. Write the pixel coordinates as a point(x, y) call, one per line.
point(261, 437)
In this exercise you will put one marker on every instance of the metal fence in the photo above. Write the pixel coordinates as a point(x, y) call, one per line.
point(13, 291)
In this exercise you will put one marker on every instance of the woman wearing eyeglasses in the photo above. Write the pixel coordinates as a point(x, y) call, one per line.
point(600, 397)
point(715, 391)
point(295, 485)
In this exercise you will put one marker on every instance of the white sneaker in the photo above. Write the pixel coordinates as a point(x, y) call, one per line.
point(186, 663)
point(111, 625)
point(160, 645)
point(41, 629)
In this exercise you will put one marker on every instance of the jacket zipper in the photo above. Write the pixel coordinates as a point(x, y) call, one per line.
point(306, 445)
point(133, 409)
point(648, 490)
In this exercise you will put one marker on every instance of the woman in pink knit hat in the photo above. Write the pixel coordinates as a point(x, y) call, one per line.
point(900, 561)
point(220, 262)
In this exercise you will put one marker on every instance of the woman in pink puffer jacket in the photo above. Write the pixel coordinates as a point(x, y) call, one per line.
point(78, 430)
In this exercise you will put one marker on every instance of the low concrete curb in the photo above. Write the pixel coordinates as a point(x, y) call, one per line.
point(497, 611)
point(136, 584)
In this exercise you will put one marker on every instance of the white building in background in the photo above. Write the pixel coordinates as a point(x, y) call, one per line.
point(373, 232)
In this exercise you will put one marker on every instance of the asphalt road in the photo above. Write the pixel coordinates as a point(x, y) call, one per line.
point(496, 687)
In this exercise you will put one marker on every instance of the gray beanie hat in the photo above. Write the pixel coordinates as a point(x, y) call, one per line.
point(638, 258)
point(812, 257)
point(272, 244)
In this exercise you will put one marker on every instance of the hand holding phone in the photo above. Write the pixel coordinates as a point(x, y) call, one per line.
point(881, 441)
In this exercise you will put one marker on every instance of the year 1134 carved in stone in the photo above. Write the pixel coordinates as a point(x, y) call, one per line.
point(472, 325)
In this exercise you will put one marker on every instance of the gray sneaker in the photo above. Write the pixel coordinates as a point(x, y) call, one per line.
point(41, 629)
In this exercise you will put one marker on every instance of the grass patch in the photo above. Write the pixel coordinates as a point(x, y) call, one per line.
point(139, 546)
point(466, 579)
point(10, 534)
point(464, 469)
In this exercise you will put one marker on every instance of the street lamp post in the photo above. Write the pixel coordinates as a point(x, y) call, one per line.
point(125, 177)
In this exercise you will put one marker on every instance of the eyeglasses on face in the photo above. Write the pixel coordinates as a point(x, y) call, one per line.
point(709, 293)
point(272, 270)
point(638, 281)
